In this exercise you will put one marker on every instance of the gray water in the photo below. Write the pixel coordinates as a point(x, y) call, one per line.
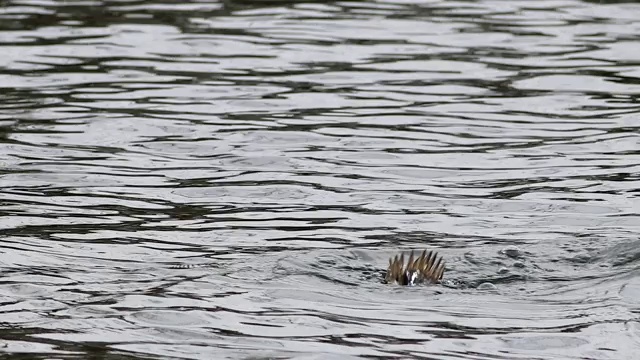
point(209, 180)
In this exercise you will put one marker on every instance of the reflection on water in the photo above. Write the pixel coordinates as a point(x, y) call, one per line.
point(207, 180)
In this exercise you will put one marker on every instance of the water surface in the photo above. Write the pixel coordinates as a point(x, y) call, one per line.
point(198, 180)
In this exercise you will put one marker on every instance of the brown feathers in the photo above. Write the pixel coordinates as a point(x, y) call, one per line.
point(427, 267)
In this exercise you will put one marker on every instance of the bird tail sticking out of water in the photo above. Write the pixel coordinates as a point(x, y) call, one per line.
point(428, 267)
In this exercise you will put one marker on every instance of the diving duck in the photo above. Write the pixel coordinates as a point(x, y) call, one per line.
point(426, 268)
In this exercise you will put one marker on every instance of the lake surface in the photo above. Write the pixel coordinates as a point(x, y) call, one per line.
point(209, 180)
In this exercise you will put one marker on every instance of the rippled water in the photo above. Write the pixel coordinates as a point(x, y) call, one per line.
point(202, 180)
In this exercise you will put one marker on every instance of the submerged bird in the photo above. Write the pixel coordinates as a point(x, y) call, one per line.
point(426, 268)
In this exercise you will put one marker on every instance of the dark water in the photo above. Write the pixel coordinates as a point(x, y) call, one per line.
point(208, 180)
